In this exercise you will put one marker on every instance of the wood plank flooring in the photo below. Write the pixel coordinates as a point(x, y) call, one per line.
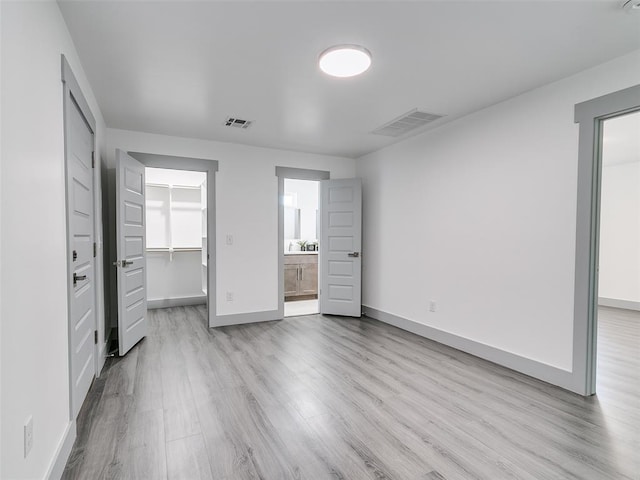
point(334, 398)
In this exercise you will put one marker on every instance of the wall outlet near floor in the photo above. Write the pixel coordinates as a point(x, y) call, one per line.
point(28, 436)
point(432, 306)
point(229, 296)
point(229, 239)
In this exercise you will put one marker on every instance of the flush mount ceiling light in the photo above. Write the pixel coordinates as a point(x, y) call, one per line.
point(345, 60)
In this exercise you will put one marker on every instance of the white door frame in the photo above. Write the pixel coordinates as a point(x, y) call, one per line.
point(72, 96)
point(590, 116)
point(293, 174)
point(210, 167)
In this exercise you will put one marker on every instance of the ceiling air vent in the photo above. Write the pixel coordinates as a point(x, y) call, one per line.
point(405, 123)
point(237, 122)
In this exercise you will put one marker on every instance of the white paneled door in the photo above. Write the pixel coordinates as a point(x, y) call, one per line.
point(340, 247)
point(80, 214)
point(131, 262)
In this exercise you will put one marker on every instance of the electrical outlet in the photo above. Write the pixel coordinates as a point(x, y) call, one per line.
point(229, 239)
point(432, 305)
point(28, 436)
point(229, 296)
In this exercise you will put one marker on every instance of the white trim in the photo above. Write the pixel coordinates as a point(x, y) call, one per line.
point(535, 369)
point(102, 358)
point(69, 79)
point(172, 250)
point(60, 458)
point(590, 115)
point(251, 317)
point(176, 302)
point(617, 303)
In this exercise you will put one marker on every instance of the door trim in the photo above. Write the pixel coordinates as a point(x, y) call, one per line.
point(72, 94)
point(590, 116)
point(293, 174)
point(210, 167)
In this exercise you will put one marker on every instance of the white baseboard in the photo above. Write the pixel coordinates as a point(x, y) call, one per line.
point(616, 303)
point(176, 302)
point(242, 318)
point(63, 451)
point(535, 369)
point(102, 357)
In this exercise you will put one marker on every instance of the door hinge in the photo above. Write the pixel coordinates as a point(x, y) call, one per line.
point(95, 249)
point(95, 337)
point(93, 159)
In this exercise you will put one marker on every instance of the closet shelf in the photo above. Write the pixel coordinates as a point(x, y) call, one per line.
point(177, 249)
point(166, 185)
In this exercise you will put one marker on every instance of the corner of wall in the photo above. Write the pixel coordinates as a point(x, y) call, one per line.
point(33, 334)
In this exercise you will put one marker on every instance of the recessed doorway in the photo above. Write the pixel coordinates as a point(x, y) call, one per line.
point(176, 240)
point(618, 312)
point(591, 116)
point(299, 231)
point(301, 227)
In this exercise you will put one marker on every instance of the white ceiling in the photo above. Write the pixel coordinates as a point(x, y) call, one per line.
point(180, 67)
point(621, 140)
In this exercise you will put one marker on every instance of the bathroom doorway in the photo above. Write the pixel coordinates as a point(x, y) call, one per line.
point(299, 219)
point(301, 226)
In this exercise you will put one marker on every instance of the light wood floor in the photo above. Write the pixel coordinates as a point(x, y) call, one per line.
point(325, 397)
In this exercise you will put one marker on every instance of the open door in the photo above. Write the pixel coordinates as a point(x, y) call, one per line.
point(340, 247)
point(132, 261)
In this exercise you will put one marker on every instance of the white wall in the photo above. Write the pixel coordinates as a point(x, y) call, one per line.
point(1, 150)
point(179, 275)
point(35, 378)
point(246, 207)
point(174, 177)
point(480, 216)
point(306, 192)
point(307, 198)
point(176, 278)
point(620, 233)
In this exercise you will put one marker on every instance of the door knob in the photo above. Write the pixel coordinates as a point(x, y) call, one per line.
point(122, 263)
point(76, 278)
point(354, 254)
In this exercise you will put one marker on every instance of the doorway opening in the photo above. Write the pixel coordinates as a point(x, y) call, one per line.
point(176, 239)
point(290, 250)
point(182, 223)
point(300, 233)
point(618, 310)
point(591, 116)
